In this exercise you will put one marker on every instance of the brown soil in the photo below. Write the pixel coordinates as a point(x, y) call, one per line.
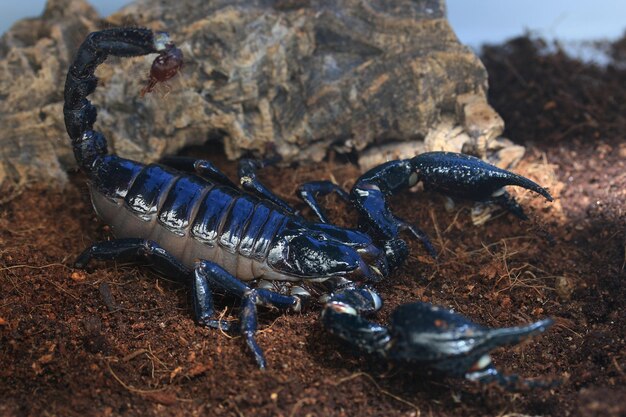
point(120, 340)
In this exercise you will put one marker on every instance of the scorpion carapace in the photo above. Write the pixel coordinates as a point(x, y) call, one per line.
point(192, 222)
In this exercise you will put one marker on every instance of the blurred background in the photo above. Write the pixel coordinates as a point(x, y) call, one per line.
point(475, 22)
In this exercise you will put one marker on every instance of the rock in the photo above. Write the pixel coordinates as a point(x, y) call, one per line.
point(34, 56)
point(564, 287)
point(293, 77)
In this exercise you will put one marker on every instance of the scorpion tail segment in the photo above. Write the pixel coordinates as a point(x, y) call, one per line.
point(466, 176)
point(80, 115)
point(123, 42)
point(341, 316)
point(88, 148)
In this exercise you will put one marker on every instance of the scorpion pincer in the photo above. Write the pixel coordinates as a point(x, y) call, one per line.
point(190, 221)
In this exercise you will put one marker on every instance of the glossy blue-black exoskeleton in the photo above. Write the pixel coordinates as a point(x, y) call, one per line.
point(191, 221)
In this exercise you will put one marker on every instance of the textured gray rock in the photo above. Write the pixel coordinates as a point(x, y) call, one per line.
point(295, 77)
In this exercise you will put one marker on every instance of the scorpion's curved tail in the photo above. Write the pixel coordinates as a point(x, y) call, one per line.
point(80, 114)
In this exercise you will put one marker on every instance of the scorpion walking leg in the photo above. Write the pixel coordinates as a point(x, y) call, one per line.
point(216, 276)
point(310, 191)
point(202, 300)
point(396, 250)
point(133, 249)
point(508, 202)
point(163, 261)
point(250, 182)
point(202, 167)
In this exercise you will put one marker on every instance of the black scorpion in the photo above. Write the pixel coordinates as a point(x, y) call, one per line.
point(192, 222)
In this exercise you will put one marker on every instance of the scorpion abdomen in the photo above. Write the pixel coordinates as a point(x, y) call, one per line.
point(191, 217)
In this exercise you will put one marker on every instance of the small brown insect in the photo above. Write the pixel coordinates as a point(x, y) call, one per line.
point(165, 66)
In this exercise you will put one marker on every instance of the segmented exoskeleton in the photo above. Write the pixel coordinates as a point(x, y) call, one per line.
point(191, 221)
point(199, 224)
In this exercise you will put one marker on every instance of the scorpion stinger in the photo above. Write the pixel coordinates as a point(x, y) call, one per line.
point(424, 335)
point(80, 114)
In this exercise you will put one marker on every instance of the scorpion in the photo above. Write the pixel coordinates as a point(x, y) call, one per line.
point(192, 222)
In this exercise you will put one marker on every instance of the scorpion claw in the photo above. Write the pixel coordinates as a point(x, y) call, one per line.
point(452, 344)
point(216, 324)
point(426, 335)
point(472, 178)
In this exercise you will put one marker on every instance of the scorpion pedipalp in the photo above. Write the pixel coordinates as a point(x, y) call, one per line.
point(453, 174)
point(425, 335)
